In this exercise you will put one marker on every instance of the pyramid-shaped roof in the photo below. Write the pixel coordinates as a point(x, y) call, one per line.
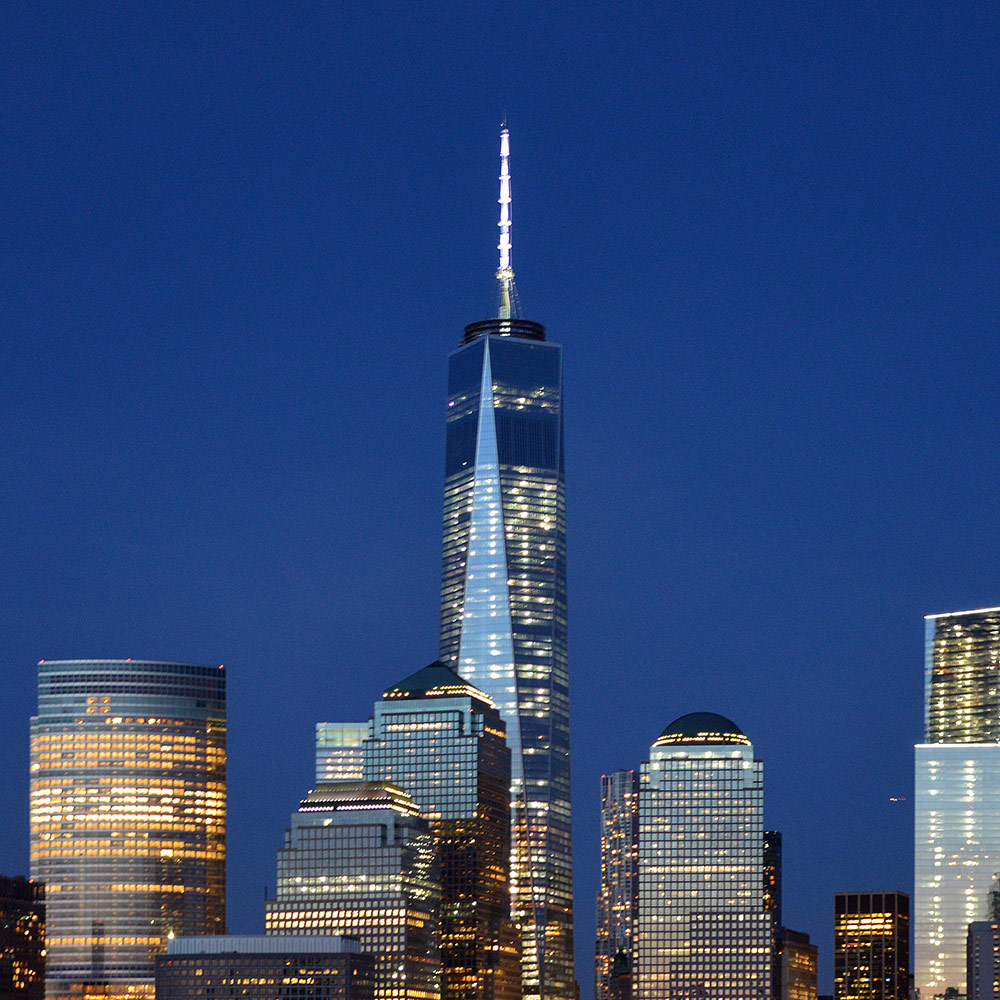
point(436, 680)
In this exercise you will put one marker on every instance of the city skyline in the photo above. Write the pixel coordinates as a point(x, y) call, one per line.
point(240, 246)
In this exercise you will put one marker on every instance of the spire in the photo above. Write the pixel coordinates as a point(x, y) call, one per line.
point(507, 301)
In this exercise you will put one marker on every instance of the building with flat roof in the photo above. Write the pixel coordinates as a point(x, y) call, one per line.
point(259, 967)
point(338, 751)
point(957, 793)
point(618, 895)
point(128, 817)
point(871, 946)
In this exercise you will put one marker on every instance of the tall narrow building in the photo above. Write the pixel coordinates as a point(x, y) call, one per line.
point(957, 793)
point(617, 898)
point(128, 817)
point(503, 594)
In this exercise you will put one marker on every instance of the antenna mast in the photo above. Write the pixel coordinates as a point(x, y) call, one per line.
point(508, 305)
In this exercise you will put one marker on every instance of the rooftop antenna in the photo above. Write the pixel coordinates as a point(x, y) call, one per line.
point(508, 305)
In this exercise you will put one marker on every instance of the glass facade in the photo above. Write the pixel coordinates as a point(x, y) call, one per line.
point(957, 852)
point(128, 816)
point(871, 946)
point(503, 608)
point(702, 929)
point(338, 751)
point(360, 861)
point(291, 967)
point(22, 939)
point(617, 898)
point(957, 795)
point(441, 740)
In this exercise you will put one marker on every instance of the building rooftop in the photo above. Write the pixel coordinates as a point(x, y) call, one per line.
point(436, 680)
point(702, 727)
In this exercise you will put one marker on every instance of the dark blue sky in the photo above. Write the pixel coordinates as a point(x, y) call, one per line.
point(237, 242)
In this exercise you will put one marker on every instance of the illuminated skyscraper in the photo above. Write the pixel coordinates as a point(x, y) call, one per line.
point(442, 741)
point(617, 898)
point(503, 595)
point(360, 861)
point(338, 751)
point(957, 801)
point(703, 930)
point(128, 817)
point(871, 946)
point(983, 951)
point(22, 939)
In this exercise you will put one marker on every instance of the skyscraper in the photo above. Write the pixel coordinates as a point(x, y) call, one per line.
point(617, 898)
point(359, 860)
point(22, 939)
point(703, 930)
point(871, 946)
point(128, 817)
point(983, 951)
point(957, 800)
point(442, 741)
point(338, 751)
point(503, 594)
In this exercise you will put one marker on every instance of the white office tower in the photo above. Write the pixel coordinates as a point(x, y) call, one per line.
point(957, 807)
point(702, 931)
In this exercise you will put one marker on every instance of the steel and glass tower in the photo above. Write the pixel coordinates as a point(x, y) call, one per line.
point(128, 817)
point(957, 800)
point(871, 946)
point(617, 899)
point(503, 594)
point(703, 930)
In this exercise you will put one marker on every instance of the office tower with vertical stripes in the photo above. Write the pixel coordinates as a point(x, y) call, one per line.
point(957, 793)
point(503, 594)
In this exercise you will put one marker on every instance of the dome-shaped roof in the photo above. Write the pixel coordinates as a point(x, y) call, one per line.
point(702, 727)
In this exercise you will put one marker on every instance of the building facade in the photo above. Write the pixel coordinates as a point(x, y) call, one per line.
point(290, 967)
point(503, 596)
point(22, 939)
point(128, 817)
point(360, 861)
point(983, 960)
point(703, 930)
point(618, 896)
point(442, 741)
point(338, 751)
point(798, 964)
point(871, 946)
point(957, 793)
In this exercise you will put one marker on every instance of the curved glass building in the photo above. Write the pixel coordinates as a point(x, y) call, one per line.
point(128, 817)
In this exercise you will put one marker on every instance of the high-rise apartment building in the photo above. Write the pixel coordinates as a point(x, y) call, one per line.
point(703, 930)
point(618, 896)
point(503, 595)
point(442, 741)
point(871, 946)
point(128, 817)
point(338, 751)
point(22, 939)
point(360, 861)
point(261, 967)
point(957, 800)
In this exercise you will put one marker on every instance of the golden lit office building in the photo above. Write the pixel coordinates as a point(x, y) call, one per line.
point(128, 817)
point(957, 793)
point(871, 946)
